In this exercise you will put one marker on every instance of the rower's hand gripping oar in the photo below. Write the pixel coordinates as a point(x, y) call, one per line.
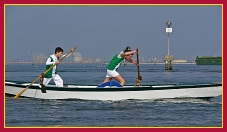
point(138, 80)
point(15, 97)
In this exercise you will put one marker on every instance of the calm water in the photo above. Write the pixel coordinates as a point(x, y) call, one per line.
point(144, 113)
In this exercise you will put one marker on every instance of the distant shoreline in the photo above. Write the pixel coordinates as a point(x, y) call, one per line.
point(96, 63)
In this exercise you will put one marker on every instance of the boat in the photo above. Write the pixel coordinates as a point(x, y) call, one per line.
point(208, 60)
point(114, 92)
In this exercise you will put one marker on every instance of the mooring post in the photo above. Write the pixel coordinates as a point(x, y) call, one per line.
point(168, 58)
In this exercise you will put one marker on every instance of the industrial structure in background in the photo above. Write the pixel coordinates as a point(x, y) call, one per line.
point(168, 58)
point(39, 58)
point(76, 57)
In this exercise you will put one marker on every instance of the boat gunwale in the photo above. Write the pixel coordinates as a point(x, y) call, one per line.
point(112, 89)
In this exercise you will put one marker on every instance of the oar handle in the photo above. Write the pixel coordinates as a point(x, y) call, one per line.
point(138, 80)
point(42, 74)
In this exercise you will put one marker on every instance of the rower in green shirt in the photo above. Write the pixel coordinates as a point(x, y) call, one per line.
point(116, 61)
point(52, 74)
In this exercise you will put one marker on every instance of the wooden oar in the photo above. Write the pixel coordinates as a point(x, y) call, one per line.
point(15, 97)
point(138, 80)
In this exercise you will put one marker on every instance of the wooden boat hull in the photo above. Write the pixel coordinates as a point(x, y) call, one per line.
point(116, 93)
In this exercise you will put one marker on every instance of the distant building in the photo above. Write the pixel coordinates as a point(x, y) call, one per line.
point(97, 60)
point(39, 58)
point(180, 61)
point(77, 57)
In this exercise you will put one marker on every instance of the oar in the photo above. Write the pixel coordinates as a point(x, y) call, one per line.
point(138, 80)
point(15, 97)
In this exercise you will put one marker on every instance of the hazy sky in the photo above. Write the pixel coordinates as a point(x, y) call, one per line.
point(103, 31)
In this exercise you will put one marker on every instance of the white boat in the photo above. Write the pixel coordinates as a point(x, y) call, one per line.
point(114, 92)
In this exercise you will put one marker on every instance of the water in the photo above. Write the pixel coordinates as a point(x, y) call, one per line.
point(24, 112)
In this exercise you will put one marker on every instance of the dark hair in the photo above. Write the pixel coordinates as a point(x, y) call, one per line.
point(127, 49)
point(58, 49)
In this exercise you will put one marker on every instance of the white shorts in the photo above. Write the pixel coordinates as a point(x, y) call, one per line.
point(112, 73)
point(57, 80)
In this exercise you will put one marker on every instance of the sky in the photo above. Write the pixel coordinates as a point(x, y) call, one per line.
point(103, 31)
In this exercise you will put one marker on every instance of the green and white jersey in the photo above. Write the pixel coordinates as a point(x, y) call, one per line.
point(115, 62)
point(50, 62)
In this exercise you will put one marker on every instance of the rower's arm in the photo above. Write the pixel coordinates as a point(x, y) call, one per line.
point(72, 50)
point(128, 53)
point(132, 61)
point(48, 62)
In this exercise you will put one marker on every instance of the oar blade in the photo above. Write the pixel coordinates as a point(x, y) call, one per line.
point(18, 95)
point(138, 81)
point(140, 78)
